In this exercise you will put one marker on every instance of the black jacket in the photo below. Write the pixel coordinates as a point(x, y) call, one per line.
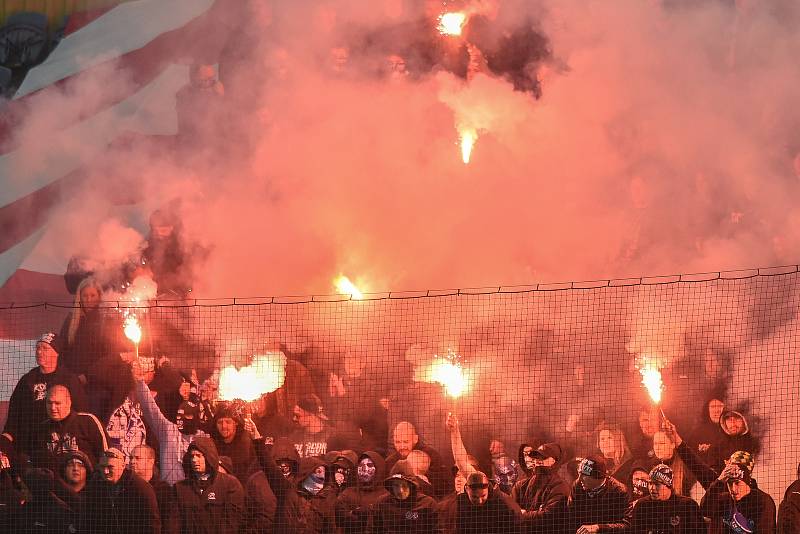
point(240, 451)
point(355, 506)
point(498, 515)
point(676, 515)
point(214, 506)
point(439, 475)
point(44, 512)
point(77, 431)
point(93, 340)
point(789, 512)
point(415, 515)
point(297, 510)
point(757, 508)
point(606, 508)
point(543, 497)
point(260, 505)
point(27, 407)
point(127, 507)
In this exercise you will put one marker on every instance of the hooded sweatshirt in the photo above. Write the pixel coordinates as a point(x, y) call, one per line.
point(542, 495)
point(44, 512)
point(414, 515)
point(214, 505)
point(731, 443)
point(63, 490)
point(707, 437)
point(355, 505)
point(298, 510)
point(756, 510)
point(789, 512)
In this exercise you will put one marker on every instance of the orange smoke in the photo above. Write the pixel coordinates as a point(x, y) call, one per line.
point(265, 374)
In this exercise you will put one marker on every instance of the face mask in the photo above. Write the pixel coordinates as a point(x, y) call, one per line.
point(285, 467)
point(340, 476)
point(313, 484)
point(530, 463)
point(505, 475)
point(366, 471)
point(186, 418)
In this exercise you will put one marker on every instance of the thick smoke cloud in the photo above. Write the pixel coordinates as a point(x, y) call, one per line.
point(664, 140)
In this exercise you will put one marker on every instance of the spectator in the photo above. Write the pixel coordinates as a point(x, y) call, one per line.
point(404, 467)
point(118, 501)
point(639, 482)
point(734, 503)
point(305, 503)
point(707, 435)
point(44, 511)
point(173, 438)
point(279, 405)
point(505, 473)
point(313, 435)
point(737, 437)
point(446, 508)
point(664, 450)
point(64, 431)
point(75, 468)
point(597, 502)
point(664, 510)
point(483, 510)
point(27, 407)
point(642, 445)
point(355, 505)
point(789, 511)
point(613, 447)
point(404, 509)
point(233, 441)
point(406, 439)
point(143, 465)
point(207, 500)
point(343, 471)
point(260, 504)
point(87, 331)
point(542, 495)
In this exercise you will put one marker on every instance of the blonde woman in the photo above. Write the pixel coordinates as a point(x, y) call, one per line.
point(613, 447)
point(85, 330)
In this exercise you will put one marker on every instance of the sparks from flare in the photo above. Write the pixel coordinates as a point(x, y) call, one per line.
point(133, 331)
point(265, 374)
point(447, 371)
point(451, 23)
point(344, 286)
point(468, 138)
point(651, 379)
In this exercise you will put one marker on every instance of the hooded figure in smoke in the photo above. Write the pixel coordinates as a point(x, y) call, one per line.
point(355, 505)
point(404, 509)
point(305, 501)
point(737, 437)
point(542, 495)
point(207, 500)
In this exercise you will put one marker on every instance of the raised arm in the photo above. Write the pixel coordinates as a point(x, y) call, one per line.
point(457, 444)
point(705, 474)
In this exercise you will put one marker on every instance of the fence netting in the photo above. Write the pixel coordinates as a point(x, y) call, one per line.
point(668, 405)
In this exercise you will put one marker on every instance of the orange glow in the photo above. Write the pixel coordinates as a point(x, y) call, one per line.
point(446, 371)
point(265, 374)
point(451, 23)
point(132, 329)
point(344, 286)
point(651, 379)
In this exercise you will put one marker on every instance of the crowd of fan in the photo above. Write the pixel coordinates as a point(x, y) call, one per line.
point(125, 445)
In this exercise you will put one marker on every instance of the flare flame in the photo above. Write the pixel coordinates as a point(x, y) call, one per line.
point(651, 379)
point(468, 138)
point(132, 329)
point(446, 371)
point(265, 374)
point(344, 286)
point(451, 23)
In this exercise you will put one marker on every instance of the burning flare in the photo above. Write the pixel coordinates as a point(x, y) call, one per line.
point(446, 371)
point(344, 286)
point(468, 138)
point(132, 329)
point(651, 379)
point(265, 374)
point(451, 23)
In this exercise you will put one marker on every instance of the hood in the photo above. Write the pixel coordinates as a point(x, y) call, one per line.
point(39, 481)
point(80, 455)
point(307, 466)
point(402, 471)
point(521, 458)
point(380, 467)
point(729, 413)
point(284, 449)
point(208, 449)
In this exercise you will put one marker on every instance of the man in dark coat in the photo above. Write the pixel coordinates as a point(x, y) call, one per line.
point(542, 495)
point(789, 512)
point(597, 502)
point(664, 511)
point(737, 437)
point(304, 502)
point(355, 505)
point(27, 405)
point(734, 503)
point(233, 441)
point(64, 430)
point(44, 511)
point(404, 509)
point(118, 501)
point(405, 439)
point(482, 510)
point(75, 470)
point(143, 464)
point(206, 501)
